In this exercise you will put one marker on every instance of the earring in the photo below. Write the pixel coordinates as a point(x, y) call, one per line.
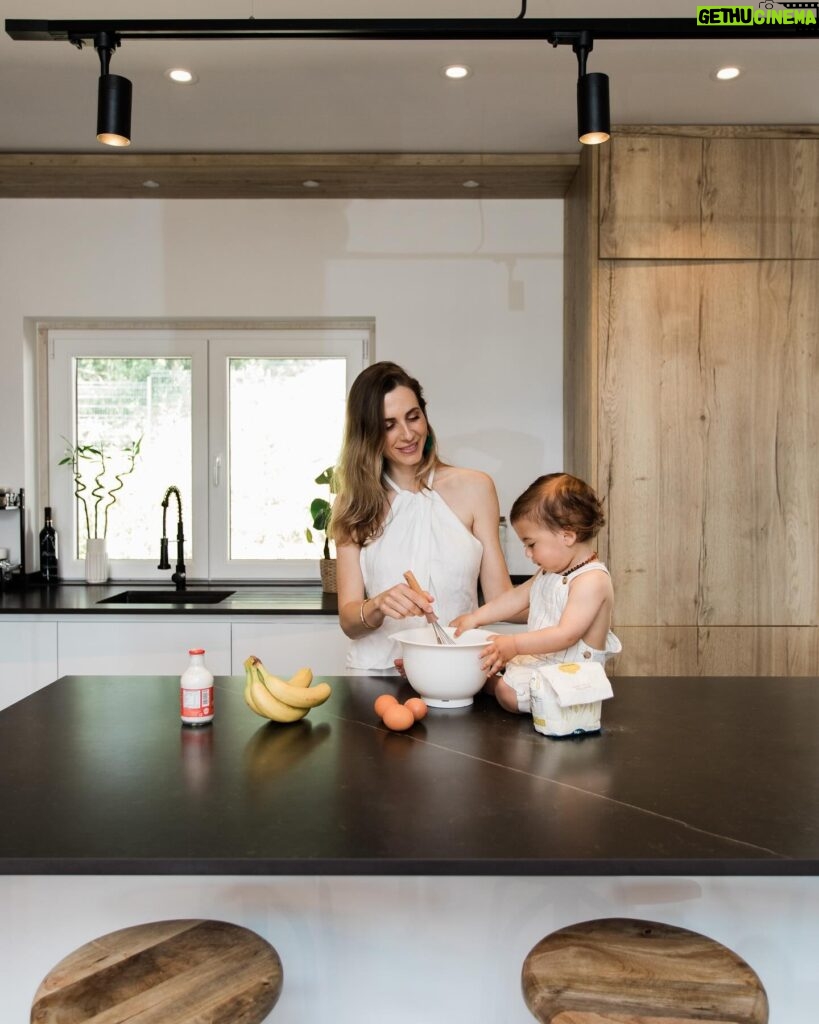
point(428, 445)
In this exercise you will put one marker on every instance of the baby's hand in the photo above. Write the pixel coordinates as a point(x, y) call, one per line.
point(500, 650)
point(463, 623)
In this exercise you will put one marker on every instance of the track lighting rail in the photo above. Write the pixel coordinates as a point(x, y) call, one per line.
point(84, 32)
point(593, 119)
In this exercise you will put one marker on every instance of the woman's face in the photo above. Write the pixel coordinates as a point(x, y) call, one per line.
point(405, 428)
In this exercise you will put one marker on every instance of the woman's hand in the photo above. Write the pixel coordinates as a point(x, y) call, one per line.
point(401, 602)
point(498, 652)
point(465, 622)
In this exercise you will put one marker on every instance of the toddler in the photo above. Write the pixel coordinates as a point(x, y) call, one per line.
point(569, 600)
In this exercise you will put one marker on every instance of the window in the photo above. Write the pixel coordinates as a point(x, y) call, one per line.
point(241, 421)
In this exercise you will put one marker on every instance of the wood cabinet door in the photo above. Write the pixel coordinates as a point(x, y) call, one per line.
point(709, 441)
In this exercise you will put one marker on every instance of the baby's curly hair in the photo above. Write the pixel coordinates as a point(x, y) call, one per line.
point(560, 501)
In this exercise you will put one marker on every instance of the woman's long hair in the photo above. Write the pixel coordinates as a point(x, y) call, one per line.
point(359, 505)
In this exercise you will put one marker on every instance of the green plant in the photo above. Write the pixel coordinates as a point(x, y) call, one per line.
point(320, 510)
point(93, 461)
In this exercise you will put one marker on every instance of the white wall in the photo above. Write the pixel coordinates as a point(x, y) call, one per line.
point(467, 295)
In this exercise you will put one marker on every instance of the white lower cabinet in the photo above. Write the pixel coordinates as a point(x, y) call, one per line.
point(159, 646)
point(28, 658)
point(34, 653)
point(148, 647)
point(288, 642)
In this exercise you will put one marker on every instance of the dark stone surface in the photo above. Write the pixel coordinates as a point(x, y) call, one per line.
point(689, 776)
point(84, 599)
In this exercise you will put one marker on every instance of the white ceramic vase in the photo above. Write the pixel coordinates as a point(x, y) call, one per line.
point(96, 560)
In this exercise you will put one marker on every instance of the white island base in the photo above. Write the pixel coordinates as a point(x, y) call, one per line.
point(412, 950)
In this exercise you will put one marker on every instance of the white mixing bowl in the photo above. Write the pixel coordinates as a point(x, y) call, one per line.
point(446, 677)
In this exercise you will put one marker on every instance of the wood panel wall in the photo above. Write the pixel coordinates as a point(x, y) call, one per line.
point(702, 385)
point(709, 197)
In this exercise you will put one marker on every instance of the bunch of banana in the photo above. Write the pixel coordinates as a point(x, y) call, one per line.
point(278, 699)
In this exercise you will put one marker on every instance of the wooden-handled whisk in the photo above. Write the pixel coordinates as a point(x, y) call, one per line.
point(441, 636)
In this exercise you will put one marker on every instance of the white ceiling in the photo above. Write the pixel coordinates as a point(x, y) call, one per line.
point(366, 96)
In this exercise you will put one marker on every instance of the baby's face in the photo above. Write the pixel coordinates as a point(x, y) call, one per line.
point(547, 548)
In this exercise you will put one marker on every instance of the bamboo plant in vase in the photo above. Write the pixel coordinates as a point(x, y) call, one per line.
point(107, 470)
point(320, 514)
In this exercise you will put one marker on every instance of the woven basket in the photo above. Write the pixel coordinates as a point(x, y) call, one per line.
point(327, 568)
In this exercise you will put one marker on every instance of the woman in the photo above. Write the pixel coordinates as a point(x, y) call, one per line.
point(399, 508)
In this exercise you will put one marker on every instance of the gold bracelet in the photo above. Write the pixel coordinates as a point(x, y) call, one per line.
point(361, 615)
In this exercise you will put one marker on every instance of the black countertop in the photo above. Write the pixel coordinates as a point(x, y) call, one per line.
point(80, 598)
point(246, 599)
point(689, 776)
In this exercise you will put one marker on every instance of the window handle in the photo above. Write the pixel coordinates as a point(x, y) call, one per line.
point(217, 466)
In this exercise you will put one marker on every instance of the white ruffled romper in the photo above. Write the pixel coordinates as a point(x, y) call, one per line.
point(424, 535)
point(547, 602)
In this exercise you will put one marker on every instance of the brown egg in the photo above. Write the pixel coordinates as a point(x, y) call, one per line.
point(383, 702)
point(398, 718)
point(417, 707)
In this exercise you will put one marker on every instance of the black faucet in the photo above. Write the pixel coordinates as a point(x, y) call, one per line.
point(179, 576)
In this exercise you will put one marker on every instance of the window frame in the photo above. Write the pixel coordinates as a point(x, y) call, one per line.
point(224, 345)
point(209, 349)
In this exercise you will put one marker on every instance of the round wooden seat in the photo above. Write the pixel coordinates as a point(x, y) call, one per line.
point(623, 971)
point(165, 972)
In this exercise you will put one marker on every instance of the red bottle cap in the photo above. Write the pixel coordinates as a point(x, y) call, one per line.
point(199, 650)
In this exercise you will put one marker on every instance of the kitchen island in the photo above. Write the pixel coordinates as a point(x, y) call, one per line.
point(694, 790)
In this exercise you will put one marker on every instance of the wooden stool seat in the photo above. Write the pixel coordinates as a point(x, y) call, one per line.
point(166, 972)
point(623, 971)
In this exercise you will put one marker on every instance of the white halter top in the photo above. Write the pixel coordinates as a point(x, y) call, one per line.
point(421, 533)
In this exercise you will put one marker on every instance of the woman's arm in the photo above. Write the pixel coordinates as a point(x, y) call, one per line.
point(358, 614)
point(494, 574)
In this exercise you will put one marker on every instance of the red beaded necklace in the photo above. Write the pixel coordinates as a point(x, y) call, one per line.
point(579, 565)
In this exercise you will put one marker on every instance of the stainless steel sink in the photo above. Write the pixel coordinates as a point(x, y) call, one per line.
point(168, 597)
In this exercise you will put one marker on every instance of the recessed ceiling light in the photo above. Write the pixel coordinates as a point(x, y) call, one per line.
point(472, 184)
point(727, 73)
point(181, 75)
point(310, 183)
point(150, 184)
point(457, 71)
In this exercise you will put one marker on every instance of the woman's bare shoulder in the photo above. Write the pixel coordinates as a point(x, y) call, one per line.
point(460, 477)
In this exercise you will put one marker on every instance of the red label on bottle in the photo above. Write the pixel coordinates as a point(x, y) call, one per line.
point(196, 703)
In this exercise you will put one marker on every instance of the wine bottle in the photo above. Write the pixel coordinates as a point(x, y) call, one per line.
point(49, 566)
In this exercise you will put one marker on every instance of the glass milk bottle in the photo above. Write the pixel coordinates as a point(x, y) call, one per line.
point(196, 691)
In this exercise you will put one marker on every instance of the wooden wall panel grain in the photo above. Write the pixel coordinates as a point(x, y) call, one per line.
point(655, 651)
point(708, 441)
point(758, 651)
point(709, 197)
point(281, 175)
point(703, 387)
point(717, 651)
point(580, 307)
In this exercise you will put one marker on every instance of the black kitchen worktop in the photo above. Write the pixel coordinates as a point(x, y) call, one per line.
point(246, 599)
point(689, 776)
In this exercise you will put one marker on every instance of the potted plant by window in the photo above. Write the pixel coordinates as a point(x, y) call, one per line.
point(93, 462)
point(320, 514)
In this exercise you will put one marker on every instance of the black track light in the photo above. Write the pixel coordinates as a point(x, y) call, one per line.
point(593, 119)
point(113, 97)
point(593, 124)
